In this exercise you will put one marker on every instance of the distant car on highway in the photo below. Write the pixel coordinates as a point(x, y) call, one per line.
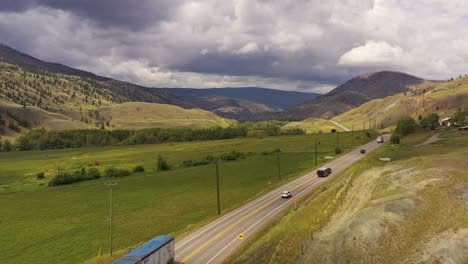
point(379, 139)
point(363, 151)
point(286, 194)
point(324, 172)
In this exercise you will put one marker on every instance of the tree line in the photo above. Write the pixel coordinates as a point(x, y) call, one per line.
point(42, 139)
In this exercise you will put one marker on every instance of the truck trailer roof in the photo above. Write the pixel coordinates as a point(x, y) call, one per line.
point(126, 261)
point(145, 250)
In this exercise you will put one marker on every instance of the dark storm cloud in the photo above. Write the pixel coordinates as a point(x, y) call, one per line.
point(121, 13)
point(287, 44)
point(229, 64)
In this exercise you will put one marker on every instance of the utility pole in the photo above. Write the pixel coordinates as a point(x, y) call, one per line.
point(337, 139)
point(217, 186)
point(363, 128)
point(110, 183)
point(316, 150)
point(58, 166)
point(278, 160)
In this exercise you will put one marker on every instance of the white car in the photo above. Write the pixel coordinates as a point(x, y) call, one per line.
point(286, 194)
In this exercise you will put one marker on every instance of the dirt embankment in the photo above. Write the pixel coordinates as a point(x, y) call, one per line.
point(397, 214)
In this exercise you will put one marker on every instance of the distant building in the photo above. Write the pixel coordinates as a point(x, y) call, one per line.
point(446, 122)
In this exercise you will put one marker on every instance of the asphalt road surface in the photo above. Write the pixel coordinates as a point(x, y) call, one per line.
point(214, 242)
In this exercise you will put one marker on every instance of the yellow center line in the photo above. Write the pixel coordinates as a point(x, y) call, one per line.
point(238, 222)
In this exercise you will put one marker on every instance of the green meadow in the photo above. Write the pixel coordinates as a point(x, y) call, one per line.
point(70, 223)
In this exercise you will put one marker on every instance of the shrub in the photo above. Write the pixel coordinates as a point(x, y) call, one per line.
point(187, 163)
point(161, 164)
point(63, 178)
point(395, 139)
point(190, 163)
point(337, 150)
point(94, 173)
point(405, 126)
point(211, 158)
point(67, 178)
point(233, 155)
point(40, 175)
point(139, 168)
point(116, 172)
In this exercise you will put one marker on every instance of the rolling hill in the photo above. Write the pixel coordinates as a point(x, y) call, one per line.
point(137, 115)
point(353, 93)
point(429, 97)
point(39, 94)
point(129, 91)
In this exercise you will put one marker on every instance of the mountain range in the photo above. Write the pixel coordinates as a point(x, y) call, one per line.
point(242, 103)
point(34, 93)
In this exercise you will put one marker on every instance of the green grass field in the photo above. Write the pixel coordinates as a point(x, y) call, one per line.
point(69, 224)
point(313, 125)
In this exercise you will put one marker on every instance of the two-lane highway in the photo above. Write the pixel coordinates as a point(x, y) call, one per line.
point(214, 242)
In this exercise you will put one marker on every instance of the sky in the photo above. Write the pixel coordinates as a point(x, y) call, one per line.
point(303, 45)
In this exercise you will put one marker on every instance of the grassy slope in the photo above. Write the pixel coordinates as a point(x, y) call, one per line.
point(312, 125)
point(69, 224)
point(58, 102)
point(408, 211)
point(146, 115)
point(47, 120)
point(442, 98)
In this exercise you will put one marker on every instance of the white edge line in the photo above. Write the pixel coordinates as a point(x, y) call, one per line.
point(228, 216)
point(261, 219)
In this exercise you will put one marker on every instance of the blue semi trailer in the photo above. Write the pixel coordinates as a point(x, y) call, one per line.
point(159, 250)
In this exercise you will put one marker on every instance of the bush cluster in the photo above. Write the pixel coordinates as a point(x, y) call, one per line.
point(66, 178)
point(233, 155)
point(40, 175)
point(162, 165)
point(227, 156)
point(139, 168)
point(395, 139)
point(116, 172)
point(190, 163)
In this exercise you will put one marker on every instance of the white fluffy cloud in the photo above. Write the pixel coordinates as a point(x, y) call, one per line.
point(287, 44)
point(372, 54)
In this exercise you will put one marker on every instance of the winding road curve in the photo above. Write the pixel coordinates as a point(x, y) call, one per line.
point(214, 242)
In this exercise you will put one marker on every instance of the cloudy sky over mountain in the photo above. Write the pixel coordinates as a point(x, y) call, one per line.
point(287, 44)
